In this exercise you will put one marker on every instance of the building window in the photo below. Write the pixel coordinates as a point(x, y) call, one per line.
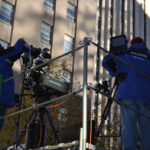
point(4, 44)
point(71, 12)
point(68, 43)
point(65, 76)
point(6, 12)
point(49, 4)
point(62, 116)
point(45, 35)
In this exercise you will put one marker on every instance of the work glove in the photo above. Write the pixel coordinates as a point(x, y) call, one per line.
point(121, 76)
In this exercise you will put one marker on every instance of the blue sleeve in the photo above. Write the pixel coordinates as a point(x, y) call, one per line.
point(4, 64)
point(18, 49)
point(105, 65)
point(111, 65)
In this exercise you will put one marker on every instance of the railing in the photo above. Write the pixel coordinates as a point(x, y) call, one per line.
point(83, 131)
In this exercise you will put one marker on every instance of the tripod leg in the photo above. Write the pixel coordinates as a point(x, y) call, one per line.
point(104, 116)
point(20, 138)
point(52, 125)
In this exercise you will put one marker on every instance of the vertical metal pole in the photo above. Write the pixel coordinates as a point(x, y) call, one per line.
point(85, 92)
point(122, 16)
point(81, 137)
point(145, 22)
point(97, 67)
point(133, 16)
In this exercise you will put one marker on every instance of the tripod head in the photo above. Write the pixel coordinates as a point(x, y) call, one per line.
point(103, 88)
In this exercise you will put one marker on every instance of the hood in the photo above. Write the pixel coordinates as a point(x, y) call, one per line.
point(140, 46)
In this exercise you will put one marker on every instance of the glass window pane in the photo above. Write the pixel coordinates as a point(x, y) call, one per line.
point(45, 33)
point(71, 14)
point(68, 43)
point(6, 12)
point(50, 1)
point(68, 38)
point(44, 39)
point(72, 7)
point(46, 27)
point(49, 4)
point(5, 19)
point(4, 44)
point(7, 5)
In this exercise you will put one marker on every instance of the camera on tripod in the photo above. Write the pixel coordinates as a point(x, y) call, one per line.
point(40, 81)
point(31, 53)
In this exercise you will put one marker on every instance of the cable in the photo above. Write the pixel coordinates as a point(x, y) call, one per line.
point(41, 104)
point(53, 106)
point(91, 120)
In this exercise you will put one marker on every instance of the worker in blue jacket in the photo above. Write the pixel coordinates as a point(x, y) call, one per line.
point(7, 58)
point(133, 90)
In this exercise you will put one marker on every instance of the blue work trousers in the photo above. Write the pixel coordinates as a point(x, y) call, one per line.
point(130, 120)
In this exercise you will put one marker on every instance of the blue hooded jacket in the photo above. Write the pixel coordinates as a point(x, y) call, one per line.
point(134, 87)
point(7, 91)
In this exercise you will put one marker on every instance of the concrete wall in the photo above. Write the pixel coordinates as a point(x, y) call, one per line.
point(124, 21)
point(86, 27)
point(27, 24)
point(62, 26)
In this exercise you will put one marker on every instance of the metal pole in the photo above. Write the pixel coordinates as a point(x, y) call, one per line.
point(122, 16)
point(145, 22)
point(96, 68)
point(85, 92)
point(133, 17)
point(81, 137)
point(57, 99)
point(45, 63)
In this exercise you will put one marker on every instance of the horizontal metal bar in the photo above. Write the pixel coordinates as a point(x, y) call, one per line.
point(45, 63)
point(120, 103)
point(122, 61)
point(44, 103)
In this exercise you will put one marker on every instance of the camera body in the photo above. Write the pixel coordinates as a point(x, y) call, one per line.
point(42, 83)
point(30, 53)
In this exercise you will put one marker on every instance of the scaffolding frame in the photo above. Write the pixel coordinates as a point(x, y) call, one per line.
point(83, 131)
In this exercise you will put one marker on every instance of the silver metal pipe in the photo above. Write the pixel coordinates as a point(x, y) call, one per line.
point(85, 59)
point(81, 137)
point(44, 103)
point(45, 63)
